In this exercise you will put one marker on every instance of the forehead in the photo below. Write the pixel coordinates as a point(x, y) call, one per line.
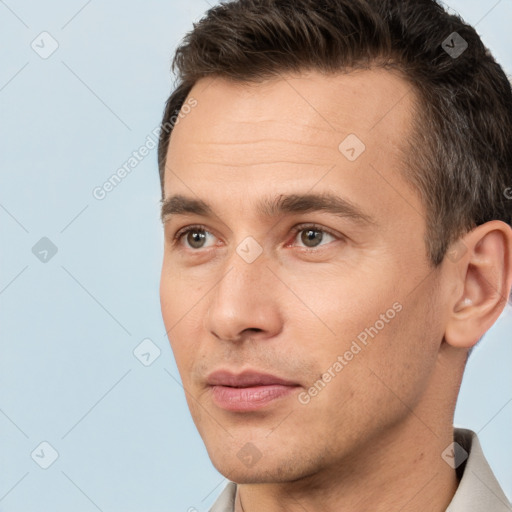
point(375, 104)
point(294, 129)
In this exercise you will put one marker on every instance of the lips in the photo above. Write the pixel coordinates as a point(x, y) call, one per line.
point(247, 391)
point(245, 379)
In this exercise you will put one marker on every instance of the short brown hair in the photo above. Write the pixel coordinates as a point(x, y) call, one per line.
point(460, 148)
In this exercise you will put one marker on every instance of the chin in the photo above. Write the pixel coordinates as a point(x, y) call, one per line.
point(262, 472)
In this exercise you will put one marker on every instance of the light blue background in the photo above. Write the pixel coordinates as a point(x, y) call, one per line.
point(68, 375)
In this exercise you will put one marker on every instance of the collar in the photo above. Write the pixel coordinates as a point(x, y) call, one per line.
point(478, 489)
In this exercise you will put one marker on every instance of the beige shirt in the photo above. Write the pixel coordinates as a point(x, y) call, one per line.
point(478, 490)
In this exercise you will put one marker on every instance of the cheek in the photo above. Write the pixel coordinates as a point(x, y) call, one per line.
point(400, 360)
point(168, 303)
point(373, 337)
point(179, 317)
point(377, 386)
point(339, 305)
point(179, 295)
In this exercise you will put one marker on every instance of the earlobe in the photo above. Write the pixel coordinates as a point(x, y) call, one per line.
point(486, 274)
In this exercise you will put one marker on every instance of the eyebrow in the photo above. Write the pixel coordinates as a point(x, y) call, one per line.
point(273, 207)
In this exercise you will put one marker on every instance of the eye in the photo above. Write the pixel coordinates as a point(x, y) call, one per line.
point(312, 235)
point(195, 236)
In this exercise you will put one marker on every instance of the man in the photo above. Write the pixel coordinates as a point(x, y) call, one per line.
point(336, 203)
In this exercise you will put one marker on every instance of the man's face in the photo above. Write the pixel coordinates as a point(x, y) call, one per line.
point(347, 302)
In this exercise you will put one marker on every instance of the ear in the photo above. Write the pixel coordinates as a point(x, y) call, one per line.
point(482, 262)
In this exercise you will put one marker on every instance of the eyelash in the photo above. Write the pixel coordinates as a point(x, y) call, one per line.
point(296, 230)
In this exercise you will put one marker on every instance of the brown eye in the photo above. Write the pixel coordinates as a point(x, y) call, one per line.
point(196, 238)
point(312, 236)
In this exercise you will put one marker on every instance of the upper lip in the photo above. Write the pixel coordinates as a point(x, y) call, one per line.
point(245, 379)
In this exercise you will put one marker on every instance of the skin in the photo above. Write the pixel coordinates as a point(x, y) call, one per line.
point(372, 439)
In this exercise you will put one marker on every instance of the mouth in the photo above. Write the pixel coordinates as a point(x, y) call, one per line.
point(248, 391)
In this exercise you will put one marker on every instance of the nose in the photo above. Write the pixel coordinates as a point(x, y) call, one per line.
point(245, 303)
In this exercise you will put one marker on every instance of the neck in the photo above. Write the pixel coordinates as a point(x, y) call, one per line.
point(401, 470)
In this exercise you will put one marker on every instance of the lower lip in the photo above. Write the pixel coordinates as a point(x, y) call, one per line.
point(249, 399)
